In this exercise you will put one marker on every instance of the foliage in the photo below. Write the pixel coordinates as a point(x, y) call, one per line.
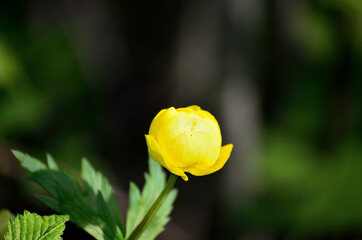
point(31, 226)
point(5, 215)
point(141, 202)
point(93, 207)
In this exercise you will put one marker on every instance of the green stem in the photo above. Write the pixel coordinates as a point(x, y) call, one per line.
point(153, 210)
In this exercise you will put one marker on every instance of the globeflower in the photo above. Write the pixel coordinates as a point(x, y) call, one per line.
point(187, 140)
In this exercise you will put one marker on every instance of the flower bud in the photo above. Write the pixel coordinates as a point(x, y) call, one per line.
point(187, 140)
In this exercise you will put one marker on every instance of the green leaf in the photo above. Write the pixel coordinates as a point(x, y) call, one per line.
point(5, 215)
point(31, 226)
point(141, 202)
point(92, 206)
point(28, 162)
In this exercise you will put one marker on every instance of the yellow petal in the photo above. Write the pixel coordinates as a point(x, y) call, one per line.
point(206, 114)
point(174, 125)
point(191, 149)
point(223, 157)
point(177, 171)
point(155, 153)
point(194, 107)
point(220, 162)
point(198, 111)
point(164, 116)
point(154, 150)
point(158, 114)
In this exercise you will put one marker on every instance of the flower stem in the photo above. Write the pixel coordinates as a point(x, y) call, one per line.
point(155, 207)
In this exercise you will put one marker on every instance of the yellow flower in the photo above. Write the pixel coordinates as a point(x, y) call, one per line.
point(187, 140)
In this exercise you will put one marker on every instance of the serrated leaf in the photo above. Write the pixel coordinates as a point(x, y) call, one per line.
point(92, 207)
point(5, 215)
point(28, 162)
point(141, 202)
point(31, 226)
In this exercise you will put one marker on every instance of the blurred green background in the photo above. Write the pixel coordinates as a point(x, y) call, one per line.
point(284, 79)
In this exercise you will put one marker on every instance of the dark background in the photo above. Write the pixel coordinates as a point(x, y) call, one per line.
point(283, 77)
